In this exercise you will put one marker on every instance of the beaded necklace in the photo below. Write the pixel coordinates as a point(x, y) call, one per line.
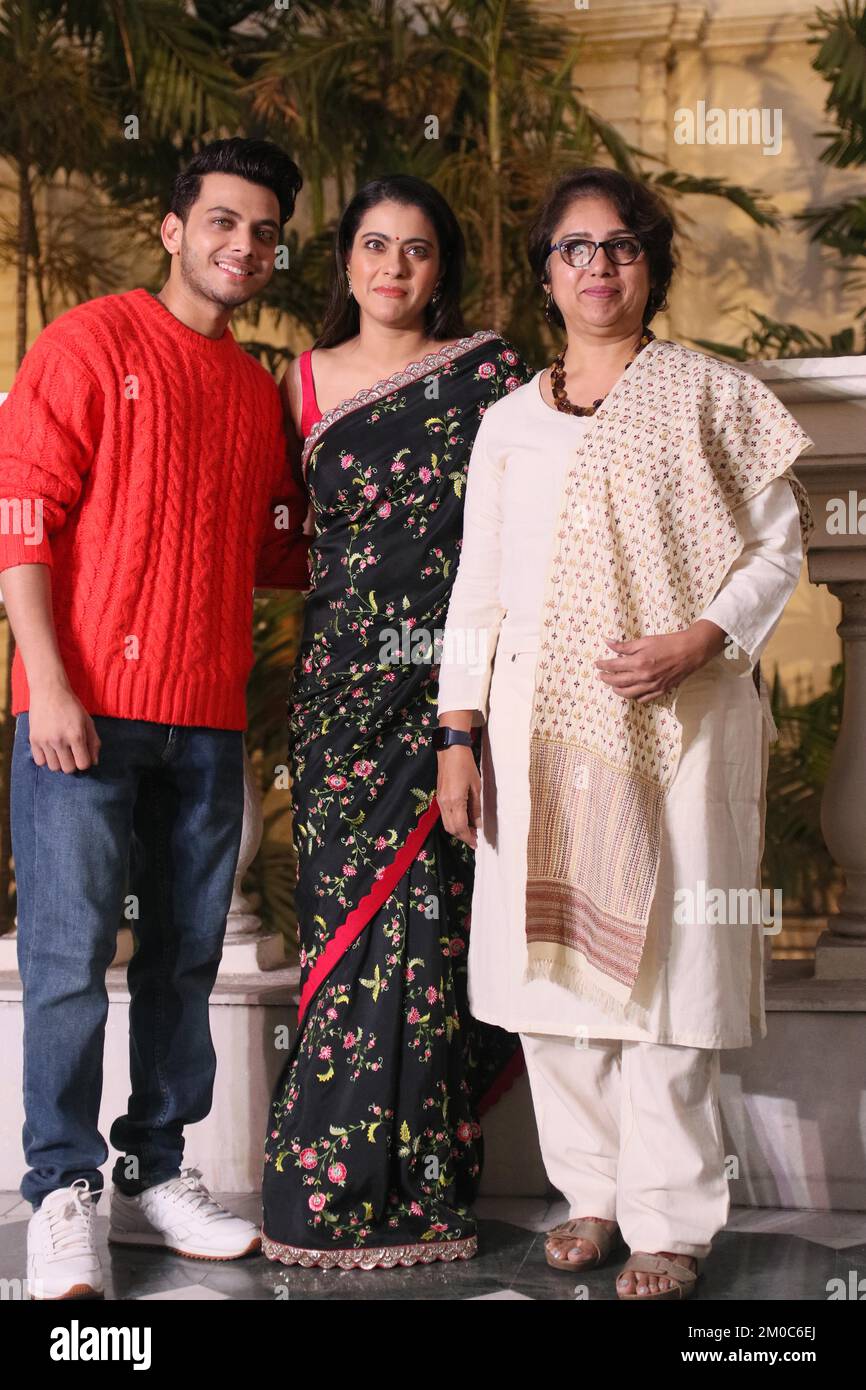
point(557, 381)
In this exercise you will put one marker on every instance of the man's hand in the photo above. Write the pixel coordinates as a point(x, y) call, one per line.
point(459, 793)
point(648, 667)
point(63, 736)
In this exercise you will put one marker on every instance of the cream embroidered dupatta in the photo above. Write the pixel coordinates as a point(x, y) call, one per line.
point(644, 537)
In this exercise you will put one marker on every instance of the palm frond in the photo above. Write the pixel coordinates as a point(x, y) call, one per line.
point(749, 200)
point(767, 338)
point(841, 59)
point(842, 225)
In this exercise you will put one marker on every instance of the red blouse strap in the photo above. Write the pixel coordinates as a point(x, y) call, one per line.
point(310, 411)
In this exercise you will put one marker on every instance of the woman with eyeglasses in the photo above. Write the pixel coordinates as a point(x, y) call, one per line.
point(632, 533)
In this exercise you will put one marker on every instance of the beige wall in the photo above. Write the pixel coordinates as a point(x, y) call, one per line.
point(642, 61)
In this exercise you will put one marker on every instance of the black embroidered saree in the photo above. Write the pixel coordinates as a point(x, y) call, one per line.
point(373, 1153)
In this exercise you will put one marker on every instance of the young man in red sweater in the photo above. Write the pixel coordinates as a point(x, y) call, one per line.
point(143, 460)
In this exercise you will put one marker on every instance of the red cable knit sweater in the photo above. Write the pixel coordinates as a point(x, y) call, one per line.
point(153, 460)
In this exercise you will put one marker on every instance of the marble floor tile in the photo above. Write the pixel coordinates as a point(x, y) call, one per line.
point(835, 1229)
point(502, 1294)
point(194, 1292)
point(13, 1207)
point(852, 1257)
point(765, 1265)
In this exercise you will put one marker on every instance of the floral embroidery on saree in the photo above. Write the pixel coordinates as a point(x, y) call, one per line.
point(373, 1153)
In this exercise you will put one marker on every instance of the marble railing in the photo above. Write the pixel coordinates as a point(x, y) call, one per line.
point(828, 397)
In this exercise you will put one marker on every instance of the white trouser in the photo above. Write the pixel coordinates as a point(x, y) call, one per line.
point(631, 1131)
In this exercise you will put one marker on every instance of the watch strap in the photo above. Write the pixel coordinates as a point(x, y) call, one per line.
point(445, 737)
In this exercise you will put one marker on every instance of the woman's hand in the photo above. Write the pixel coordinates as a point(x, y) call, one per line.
point(458, 791)
point(650, 666)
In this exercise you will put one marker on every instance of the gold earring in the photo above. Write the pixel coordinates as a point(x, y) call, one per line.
point(348, 282)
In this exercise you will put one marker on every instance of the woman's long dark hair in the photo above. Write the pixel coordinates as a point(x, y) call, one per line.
point(444, 319)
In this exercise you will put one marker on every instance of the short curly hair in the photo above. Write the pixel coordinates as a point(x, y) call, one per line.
point(641, 210)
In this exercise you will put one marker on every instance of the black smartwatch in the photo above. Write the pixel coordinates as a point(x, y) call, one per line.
point(444, 737)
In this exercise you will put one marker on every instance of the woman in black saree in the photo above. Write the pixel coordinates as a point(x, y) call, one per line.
point(373, 1152)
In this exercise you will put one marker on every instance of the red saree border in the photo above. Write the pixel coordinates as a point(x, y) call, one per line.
point(349, 931)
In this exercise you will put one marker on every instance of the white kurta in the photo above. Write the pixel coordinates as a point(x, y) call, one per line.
point(699, 985)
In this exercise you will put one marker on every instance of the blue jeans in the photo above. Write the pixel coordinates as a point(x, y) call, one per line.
point(158, 818)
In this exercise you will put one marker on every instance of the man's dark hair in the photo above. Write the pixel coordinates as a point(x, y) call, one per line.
point(257, 161)
point(640, 208)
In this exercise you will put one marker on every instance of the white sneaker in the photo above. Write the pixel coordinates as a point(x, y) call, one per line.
point(180, 1215)
point(61, 1254)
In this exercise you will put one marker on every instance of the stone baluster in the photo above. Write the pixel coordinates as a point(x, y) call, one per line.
point(248, 948)
point(841, 949)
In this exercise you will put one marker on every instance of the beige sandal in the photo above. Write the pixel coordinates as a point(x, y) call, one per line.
point(603, 1238)
point(684, 1278)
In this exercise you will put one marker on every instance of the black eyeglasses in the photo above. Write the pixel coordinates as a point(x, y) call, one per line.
point(577, 252)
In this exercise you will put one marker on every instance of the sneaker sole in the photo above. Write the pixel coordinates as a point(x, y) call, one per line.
point(77, 1291)
point(143, 1242)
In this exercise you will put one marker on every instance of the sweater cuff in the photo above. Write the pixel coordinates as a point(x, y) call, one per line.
point(16, 549)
